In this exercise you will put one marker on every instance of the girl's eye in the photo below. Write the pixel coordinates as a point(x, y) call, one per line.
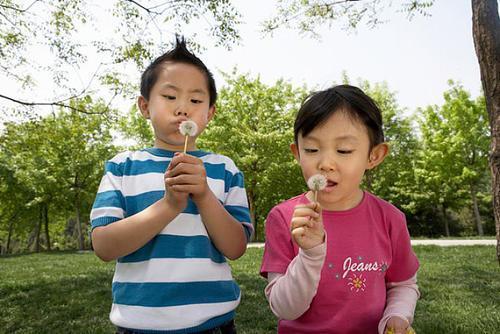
point(345, 151)
point(196, 101)
point(310, 150)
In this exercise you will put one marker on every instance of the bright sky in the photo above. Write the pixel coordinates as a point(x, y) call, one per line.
point(416, 58)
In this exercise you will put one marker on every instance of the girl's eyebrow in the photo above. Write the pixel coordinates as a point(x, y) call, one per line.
point(339, 138)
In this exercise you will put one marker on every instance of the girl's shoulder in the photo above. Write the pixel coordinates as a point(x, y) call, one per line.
point(285, 208)
point(385, 207)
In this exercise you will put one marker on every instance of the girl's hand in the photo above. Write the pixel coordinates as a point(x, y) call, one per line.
point(307, 226)
point(397, 325)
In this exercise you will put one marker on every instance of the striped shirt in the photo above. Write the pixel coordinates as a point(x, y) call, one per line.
point(178, 282)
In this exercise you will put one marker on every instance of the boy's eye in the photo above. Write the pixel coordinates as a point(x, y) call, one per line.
point(345, 151)
point(169, 97)
point(310, 150)
point(196, 101)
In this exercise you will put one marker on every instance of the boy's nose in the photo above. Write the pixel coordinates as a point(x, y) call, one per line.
point(181, 110)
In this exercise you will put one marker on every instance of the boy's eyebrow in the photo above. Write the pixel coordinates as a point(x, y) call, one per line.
point(196, 90)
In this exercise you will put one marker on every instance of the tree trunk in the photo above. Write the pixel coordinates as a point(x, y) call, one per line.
point(252, 214)
point(37, 229)
point(486, 33)
point(46, 216)
point(79, 222)
point(445, 219)
point(475, 206)
point(9, 236)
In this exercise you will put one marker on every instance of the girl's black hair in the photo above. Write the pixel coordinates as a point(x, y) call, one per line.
point(179, 54)
point(319, 106)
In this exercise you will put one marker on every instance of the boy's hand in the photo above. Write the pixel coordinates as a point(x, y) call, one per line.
point(397, 325)
point(187, 175)
point(307, 225)
point(177, 200)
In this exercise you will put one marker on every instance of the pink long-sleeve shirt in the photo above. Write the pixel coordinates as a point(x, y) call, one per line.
point(363, 274)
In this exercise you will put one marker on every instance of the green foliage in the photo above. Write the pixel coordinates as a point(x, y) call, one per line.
point(134, 126)
point(254, 126)
point(113, 37)
point(306, 16)
point(56, 162)
point(452, 167)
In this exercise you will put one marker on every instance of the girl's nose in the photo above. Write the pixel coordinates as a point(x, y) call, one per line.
point(327, 164)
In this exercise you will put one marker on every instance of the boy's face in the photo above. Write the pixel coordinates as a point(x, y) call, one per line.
point(338, 149)
point(179, 94)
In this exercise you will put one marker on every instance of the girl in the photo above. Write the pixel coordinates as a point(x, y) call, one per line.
point(343, 264)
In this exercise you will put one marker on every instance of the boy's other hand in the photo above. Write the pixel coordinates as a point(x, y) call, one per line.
point(187, 175)
point(307, 225)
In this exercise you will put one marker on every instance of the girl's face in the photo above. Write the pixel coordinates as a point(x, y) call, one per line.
point(339, 149)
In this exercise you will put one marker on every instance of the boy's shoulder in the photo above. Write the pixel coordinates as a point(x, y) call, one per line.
point(217, 158)
point(132, 155)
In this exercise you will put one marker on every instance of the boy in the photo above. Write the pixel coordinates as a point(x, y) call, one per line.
point(170, 218)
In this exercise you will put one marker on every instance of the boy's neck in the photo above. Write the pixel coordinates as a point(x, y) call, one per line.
point(164, 146)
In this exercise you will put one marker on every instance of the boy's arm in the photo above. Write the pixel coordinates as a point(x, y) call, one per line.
point(226, 233)
point(129, 234)
point(291, 294)
point(401, 301)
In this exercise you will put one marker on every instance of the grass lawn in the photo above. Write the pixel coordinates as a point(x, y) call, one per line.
point(70, 292)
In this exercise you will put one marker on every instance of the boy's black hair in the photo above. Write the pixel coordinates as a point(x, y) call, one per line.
point(319, 106)
point(179, 54)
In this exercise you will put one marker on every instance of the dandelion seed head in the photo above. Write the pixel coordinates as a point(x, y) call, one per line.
point(317, 182)
point(188, 128)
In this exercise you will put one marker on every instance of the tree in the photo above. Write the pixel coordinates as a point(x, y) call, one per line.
point(486, 33)
point(72, 34)
point(253, 125)
point(51, 166)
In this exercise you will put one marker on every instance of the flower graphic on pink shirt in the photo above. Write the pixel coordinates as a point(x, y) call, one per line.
point(357, 283)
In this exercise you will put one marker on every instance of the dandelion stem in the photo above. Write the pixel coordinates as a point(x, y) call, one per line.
point(186, 144)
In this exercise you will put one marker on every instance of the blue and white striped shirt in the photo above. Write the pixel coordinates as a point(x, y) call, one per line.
point(178, 282)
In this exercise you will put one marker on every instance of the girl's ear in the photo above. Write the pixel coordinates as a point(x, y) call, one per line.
point(377, 155)
point(143, 105)
point(295, 151)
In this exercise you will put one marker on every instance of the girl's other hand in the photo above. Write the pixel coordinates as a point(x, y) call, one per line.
point(397, 325)
point(307, 225)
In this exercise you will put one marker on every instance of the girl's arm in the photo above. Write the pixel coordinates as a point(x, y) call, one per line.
point(401, 301)
point(290, 294)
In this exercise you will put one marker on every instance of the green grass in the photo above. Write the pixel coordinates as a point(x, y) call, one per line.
point(70, 292)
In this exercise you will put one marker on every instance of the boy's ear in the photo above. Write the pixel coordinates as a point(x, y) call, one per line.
point(377, 155)
point(211, 112)
point(143, 105)
point(295, 151)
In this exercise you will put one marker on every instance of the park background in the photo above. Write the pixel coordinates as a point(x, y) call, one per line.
point(69, 78)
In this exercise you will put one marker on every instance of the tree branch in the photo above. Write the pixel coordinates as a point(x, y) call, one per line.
point(55, 103)
point(18, 9)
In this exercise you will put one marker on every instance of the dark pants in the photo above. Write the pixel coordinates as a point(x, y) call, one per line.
point(225, 328)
